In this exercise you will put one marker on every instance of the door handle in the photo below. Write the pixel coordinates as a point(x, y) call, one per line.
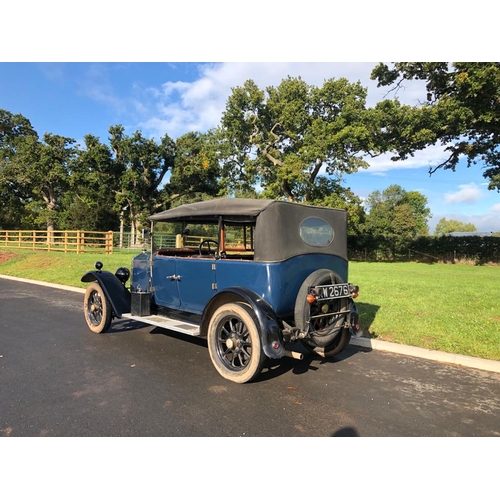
point(174, 277)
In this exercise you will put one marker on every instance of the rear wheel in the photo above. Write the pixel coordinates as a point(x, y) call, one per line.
point(97, 309)
point(340, 342)
point(234, 343)
point(327, 335)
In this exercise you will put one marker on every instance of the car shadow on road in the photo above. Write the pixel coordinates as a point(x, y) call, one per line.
point(128, 325)
point(367, 313)
point(124, 325)
point(180, 336)
point(277, 367)
point(272, 367)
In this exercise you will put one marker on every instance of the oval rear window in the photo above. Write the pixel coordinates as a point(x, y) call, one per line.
point(316, 232)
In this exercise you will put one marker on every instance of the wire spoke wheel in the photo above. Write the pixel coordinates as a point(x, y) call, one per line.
point(234, 343)
point(96, 309)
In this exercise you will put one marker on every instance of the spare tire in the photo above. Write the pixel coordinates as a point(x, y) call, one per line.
point(326, 334)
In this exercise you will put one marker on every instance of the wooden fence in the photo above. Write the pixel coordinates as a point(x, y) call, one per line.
point(59, 241)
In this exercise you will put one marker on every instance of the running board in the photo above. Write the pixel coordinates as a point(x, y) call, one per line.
point(167, 323)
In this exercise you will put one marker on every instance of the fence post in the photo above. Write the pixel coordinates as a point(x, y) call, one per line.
point(109, 242)
point(178, 241)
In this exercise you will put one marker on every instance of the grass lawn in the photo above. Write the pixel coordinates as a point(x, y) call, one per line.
point(59, 267)
point(446, 307)
point(451, 308)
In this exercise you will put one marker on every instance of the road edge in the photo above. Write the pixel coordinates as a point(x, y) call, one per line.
point(373, 344)
point(419, 352)
point(43, 283)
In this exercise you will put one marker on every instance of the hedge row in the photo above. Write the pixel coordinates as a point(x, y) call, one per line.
point(474, 249)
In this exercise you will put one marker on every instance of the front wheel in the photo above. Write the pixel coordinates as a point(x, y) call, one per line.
point(234, 343)
point(97, 309)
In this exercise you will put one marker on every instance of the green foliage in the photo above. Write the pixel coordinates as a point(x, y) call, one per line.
point(447, 226)
point(40, 172)
point(95, 179)
point(397, 215)
point(328, 193)
point(195, 170)
point(474, 249)
point(461, 110)
point(13, 128)
point(283, 138)
point(143, 164)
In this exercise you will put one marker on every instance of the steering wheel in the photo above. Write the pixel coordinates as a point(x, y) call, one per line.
point(207, 243)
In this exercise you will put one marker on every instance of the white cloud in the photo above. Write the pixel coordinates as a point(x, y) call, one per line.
point(198, 105)
point(467, 193)
point(431, 156)
point(489, 222)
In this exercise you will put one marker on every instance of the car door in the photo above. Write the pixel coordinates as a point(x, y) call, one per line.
point(196, 282)
point(165, 282)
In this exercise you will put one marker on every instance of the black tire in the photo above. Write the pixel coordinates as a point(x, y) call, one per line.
point(97, 309)
point(327, 336)
point(234, 343)
point(340, 342)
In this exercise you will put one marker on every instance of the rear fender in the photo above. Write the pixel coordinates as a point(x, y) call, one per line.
point(269, 326)
point(118, 296)
point(354, 326)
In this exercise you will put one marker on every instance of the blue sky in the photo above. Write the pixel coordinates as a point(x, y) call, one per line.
point(74, 99)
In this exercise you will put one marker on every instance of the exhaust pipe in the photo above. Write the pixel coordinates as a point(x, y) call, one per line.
point(294, 355)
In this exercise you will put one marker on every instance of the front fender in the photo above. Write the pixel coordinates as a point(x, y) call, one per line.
point(270, 331)
point(118, 296)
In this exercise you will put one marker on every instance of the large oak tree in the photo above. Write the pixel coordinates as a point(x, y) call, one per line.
point(459, 109)
point(294, 139)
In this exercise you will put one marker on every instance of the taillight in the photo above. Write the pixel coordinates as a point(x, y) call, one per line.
point(310, 298)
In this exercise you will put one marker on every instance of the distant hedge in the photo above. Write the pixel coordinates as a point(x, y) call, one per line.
point(473, 249)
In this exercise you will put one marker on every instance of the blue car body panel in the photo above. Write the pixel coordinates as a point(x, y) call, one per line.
point(199, 279)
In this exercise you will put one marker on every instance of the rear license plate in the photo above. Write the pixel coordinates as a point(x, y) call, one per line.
point(327, 292)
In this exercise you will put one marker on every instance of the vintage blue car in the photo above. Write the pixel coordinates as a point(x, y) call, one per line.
point(274, 274)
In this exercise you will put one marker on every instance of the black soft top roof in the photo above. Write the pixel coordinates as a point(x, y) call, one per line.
point(277, 224)
point(211, 210)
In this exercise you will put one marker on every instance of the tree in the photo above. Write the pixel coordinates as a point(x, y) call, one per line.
point(287, 138)
point(13, 130)
point(144, 163)
point(95, 178)
point(461, 110)
point(41, 169)
point(447, 226)
point(195, 171)
point(397, 215)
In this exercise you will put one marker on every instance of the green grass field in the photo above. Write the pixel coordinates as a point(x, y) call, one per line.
point(446, 307)
point(451, 308)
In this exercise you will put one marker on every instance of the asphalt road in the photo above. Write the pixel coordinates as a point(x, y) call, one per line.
point(59, 379)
